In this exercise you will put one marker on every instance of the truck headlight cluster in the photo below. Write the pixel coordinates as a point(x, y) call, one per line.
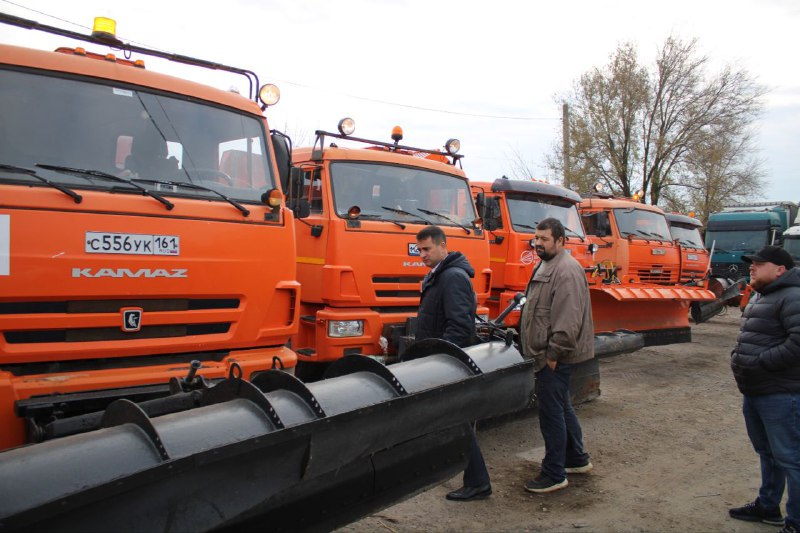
point(345, 328)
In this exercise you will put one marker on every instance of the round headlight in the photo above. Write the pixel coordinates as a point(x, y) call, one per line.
point(269, 94)
point(354, 212)
point(452, 146)
point(347, 126)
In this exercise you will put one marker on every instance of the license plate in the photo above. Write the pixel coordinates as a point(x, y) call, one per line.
point(98, 242)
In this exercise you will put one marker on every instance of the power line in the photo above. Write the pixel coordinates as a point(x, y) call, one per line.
point(319, 89)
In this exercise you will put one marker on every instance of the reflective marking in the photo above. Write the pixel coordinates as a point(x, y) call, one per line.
point(311, 260)
point(5, 244)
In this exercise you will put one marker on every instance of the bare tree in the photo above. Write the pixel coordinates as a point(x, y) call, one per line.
point(633, 129)
point(519, 167)
point(720, 168)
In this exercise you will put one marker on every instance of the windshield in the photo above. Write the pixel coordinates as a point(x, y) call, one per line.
point(527, 211)
point(642, 224)
point(686, 235)
point(792, 245)
point(747, 241)
point(404, 194)
point(128, 133)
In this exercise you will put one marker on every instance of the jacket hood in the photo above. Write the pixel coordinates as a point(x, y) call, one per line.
point(457, 260)
point(790, 278)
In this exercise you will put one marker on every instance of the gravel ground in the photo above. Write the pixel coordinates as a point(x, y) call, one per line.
point(668, 444)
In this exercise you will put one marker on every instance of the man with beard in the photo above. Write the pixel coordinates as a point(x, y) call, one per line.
point(447, 311)
point(766, 365)
point(556, 330)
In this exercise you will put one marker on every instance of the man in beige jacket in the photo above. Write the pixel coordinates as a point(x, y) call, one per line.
point(557, 332)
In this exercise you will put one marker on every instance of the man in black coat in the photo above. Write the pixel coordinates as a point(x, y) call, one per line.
point(447, 311)
point(766, 365)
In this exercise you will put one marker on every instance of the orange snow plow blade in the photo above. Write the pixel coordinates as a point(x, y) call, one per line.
point(660, 313)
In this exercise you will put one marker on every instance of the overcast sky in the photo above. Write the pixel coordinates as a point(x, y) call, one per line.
point(485, 72)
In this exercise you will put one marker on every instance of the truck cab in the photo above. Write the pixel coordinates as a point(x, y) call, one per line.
point(510, 210)
point(685, 231)
point(135, 209)
point(357, 257)
point(632, 238)
point(741, 229)
point(791, 243)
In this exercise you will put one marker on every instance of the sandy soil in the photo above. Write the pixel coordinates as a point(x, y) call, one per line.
point(668, 444)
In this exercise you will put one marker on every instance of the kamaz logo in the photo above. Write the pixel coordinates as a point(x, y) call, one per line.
point(413, 264)
point(129, 273)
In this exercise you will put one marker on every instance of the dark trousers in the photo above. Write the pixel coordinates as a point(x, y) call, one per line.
point(563, 437)
point(475, 475)
point(773, 425)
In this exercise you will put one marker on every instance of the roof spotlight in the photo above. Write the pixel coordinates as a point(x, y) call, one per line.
point(347, 126)
point(597, 187)
point(452, 146)
point(638, 195)
point(269, 94)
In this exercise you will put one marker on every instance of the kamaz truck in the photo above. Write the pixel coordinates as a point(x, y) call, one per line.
point(357, 257)
point(143, 233)
point(741, 229)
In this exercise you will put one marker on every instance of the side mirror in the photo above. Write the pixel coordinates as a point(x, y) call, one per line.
point(282, 146)
point(491, 216)
point(300, 207)
point(480, 203)
point(295, 182)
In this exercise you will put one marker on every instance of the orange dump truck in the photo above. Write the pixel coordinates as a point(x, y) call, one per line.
point(135, 212)
point(638, 262)
point(357, 258)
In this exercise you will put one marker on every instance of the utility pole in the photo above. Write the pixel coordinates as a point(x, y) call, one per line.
point(565, 142)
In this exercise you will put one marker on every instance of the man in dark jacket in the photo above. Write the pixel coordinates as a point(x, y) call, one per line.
point(766, 365)
point(447, 311)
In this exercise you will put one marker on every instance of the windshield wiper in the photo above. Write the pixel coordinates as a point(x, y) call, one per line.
point(574, 233)
point(427, 212)
point(83, 173)
point(32, 173)
point(234, 203)
point(524, 225)
point(417, 218)
point(636, 231)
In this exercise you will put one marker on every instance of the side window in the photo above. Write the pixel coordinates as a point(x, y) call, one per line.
point(590, 223)
point(596, 224)
point(313, 190)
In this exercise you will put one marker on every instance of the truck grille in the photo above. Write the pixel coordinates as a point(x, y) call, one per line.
point(655, 273)
point(113, 306)
point(43, 334)
point(733, 271)
point(387, 286)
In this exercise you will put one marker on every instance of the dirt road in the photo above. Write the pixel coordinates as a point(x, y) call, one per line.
point(668, 444)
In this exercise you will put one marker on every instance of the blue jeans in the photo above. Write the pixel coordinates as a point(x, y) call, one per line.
point(563, 437)
point(476, 474)
point(773, 425)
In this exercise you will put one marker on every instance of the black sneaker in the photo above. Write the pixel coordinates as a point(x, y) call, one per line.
point(579, 469)
point(753, 512)
point(543, 483)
